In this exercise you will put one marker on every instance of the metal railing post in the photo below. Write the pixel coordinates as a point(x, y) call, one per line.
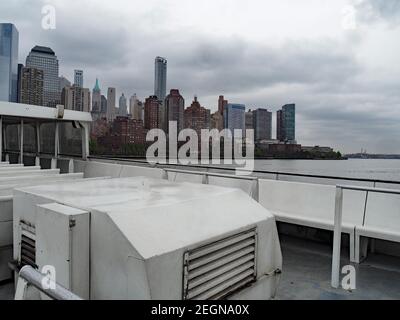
point(337, 235)
point(1, 139)
point(21, 146)
point(205, 178)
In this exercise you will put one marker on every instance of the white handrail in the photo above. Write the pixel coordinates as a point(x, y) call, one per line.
point(30, 276)
point(253, 193)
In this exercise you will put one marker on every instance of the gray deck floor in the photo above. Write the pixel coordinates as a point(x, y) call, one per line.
point(307, 271)
point(7, 291)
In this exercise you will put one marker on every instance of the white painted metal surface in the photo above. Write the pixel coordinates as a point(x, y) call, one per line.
point(141, 227)
point(62, 237)
point(39, 112)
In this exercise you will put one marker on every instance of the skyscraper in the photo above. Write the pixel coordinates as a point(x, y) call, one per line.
point(31, 86)
point(96, 98)
point(152, 113)
point(221, 104)
point(174, 105)
point(234, 117)
point(44, 58)
point(160, 78)
point(111, 104)
point(286, 123)
point(122, 106)
point(8, 62)
point(160, 87)
point(78, 78)
point(279, 125)
point(262, 124)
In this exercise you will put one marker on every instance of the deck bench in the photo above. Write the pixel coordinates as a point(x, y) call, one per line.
point(312, 205)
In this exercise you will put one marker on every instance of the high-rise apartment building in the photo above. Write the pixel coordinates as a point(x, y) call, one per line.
point(160, 86)
point(286, 123)
point(160, 78)
point(279, 126)
point(174, 106)
point(44, 58)
point(122, 111)
point(152, 113)
point(31, 86)
point(197, 117)
point(262, 124)
point(96, 98)
point(221, 104)
point(76, 98)
point(111, 98)
point(234, 117)
point(78, 78)
point(8, 62)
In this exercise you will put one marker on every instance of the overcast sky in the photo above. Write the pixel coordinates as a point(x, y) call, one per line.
point(339, 61)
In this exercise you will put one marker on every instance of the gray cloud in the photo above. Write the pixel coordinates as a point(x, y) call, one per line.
point(340, 101)
point(371, 10)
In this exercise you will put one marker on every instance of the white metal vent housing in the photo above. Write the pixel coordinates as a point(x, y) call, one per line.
point(218, 269)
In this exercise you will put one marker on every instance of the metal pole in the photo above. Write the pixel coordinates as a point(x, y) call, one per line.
point(37, 159)
point(56, 140)
point(1, 139)
point(35, 278)
point(21, 147)
point(85, 140)
point(4, 132)
point(38, 137)
point(337, 234)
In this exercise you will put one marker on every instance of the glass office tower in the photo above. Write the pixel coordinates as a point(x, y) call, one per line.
point(8, 62)
point(289, 122)
point(44, 58)
point(234, 117)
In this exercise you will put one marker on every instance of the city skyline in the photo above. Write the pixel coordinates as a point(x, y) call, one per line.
point(343, 79)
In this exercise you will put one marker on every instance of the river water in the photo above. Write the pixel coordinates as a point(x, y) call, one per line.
point(353, 168)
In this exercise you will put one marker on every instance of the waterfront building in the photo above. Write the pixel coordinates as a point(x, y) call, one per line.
point(234, 117)
point(262, 124)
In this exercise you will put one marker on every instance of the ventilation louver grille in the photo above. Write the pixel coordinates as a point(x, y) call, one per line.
point(28, 245)
point(220, 268)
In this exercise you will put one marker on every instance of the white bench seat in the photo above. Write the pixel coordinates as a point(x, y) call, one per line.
point(312, 205)
point(382, 221)
point(318, 224)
